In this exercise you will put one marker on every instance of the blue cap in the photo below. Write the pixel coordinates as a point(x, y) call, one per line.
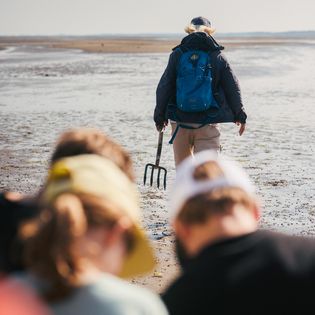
point(201, 21)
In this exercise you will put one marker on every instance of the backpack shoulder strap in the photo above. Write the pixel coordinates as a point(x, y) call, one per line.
point(213, 57)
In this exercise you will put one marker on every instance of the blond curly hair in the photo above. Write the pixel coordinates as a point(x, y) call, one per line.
point(191, 28)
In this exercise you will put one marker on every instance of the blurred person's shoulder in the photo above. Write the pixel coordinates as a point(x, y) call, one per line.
point(294, 249)
point(18, 299)
point(111, 295)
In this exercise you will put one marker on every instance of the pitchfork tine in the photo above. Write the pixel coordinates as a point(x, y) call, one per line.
point(156, 166)
point(151, 178)
point(158, 179)
point(165, 179)
point(145, 174)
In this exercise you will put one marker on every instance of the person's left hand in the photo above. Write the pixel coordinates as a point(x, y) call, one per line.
point(242, 128)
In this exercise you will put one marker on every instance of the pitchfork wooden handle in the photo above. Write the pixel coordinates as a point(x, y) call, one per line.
point(159, 149)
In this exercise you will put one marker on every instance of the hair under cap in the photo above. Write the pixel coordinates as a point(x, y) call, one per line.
point(186, 187)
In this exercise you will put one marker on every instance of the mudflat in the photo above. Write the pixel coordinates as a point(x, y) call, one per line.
point(46, 89)
point(129, 44)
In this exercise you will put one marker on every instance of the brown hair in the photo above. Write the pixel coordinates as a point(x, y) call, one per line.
point(92, 141)
point(51, 240)
point(198, 209)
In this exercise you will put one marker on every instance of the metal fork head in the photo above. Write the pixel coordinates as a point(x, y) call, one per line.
point(159, 170)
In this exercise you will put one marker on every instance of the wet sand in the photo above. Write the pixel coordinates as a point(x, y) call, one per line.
point(40, 98)
point(130, 44)
point(95, 45)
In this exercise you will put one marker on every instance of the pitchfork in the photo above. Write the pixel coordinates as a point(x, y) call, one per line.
point(156, 165)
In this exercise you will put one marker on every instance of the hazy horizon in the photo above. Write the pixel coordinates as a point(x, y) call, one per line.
point(153, 34)
point(79, 17)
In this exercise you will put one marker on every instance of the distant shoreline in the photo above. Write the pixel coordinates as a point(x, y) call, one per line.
point(133, 44)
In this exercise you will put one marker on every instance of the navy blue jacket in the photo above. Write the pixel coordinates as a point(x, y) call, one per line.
point(225, 87)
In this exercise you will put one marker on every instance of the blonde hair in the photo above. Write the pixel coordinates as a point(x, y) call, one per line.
point(51, 240)
point(191, 28)
point(200, 208)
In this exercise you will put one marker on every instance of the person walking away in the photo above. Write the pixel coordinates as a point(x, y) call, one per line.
point(228, 265)
point(198, 90)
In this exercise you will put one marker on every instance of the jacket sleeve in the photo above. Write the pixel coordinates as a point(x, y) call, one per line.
point(165, 89)
point(232, 90)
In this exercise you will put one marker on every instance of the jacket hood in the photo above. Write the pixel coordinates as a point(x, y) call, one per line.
point(199, 41)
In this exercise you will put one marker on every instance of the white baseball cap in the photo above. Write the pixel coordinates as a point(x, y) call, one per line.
point(186, 187)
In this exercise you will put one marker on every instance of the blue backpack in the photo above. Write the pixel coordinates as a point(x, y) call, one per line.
point(194, 87)
point(194, 82)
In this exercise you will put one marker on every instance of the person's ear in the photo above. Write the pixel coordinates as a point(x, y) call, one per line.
point(187, 235)
point(116, 233)
point(182, 231)
point(257, 211)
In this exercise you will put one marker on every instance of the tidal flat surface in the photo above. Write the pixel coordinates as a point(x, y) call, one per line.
point(46, 91)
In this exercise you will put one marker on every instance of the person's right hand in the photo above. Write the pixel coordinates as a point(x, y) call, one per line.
point(161, 126)
point(242, 128)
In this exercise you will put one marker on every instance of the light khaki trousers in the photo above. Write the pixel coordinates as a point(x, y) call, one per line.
point(190, 141)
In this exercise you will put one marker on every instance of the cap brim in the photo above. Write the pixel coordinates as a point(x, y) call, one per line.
point(141, 259)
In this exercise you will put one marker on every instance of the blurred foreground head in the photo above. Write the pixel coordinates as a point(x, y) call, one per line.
point(212, 199)
point(92, 141)
point(15, 208)
point(91, 218)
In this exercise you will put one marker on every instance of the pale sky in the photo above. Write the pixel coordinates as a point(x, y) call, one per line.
point(82, 17)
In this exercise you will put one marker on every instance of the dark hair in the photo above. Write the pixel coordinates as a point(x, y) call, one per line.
point(92, 141)
point(13, 211)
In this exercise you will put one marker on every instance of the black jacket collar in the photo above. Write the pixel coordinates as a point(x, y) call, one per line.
point(199, 41)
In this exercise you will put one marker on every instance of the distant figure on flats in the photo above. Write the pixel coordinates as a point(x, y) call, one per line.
point(198, 90)
point(228, 266)
point(87, 235)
